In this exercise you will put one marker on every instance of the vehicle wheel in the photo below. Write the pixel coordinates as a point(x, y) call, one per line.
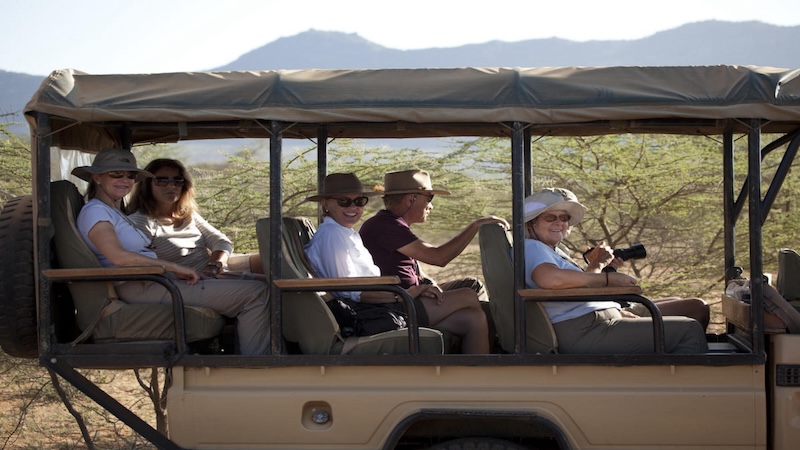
point(478, 443)
point(18, 331)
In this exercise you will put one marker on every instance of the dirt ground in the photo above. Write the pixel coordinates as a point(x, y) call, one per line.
point(34, 417)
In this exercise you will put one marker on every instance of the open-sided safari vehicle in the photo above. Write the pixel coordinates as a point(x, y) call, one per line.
point(402, 390)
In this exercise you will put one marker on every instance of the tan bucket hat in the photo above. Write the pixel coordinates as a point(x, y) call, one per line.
point(110, 160)
point(410, 182)
point(341, 184)
point(553, 199)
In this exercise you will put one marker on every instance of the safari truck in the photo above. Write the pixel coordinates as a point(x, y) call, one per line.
point(319, 389)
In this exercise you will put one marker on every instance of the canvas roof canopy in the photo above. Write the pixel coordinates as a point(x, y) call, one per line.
point(89, 112)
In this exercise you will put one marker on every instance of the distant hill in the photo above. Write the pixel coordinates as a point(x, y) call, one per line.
point(701, 43)
point(15, 90)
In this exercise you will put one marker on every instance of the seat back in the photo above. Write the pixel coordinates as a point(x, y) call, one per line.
point(307, 319)
point(96, 310)
point(788, 283)
point(73, 253)
point(498, 272)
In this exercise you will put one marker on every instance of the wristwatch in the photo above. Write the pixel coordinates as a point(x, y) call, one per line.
point(217, 265)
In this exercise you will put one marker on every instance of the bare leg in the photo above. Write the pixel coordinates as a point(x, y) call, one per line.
point(695, 308)
point(461, 314)
point(255, 263)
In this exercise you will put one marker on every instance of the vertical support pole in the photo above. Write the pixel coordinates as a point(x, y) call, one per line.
point(528, 162)
point(756, 247)
point(729, 211)
point(322, 163)
point(43, 229)
point(518, 163)
point(127, 136)
point(276, 234)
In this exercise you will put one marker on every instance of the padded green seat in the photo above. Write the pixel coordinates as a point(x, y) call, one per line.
point(99, 314)
point(788, 283)
point(308, 322)
point(498, 273)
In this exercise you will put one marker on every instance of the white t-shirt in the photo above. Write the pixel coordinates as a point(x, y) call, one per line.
point(131, 238)
point(537, 253)
point(337, 252)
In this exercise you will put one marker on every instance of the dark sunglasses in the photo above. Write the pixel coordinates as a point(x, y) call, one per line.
point(344, 202)
point(164, 181)
point(552, 217)
point(122, 174)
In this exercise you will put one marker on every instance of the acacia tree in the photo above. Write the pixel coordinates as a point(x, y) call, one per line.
point(662, 191)
point(15, 165)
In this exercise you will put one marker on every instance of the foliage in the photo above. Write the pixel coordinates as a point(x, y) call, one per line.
point(661, 191)
point(15, 163)
point(780, 226)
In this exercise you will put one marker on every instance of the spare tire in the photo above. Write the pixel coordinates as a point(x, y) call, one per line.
point(18, 331)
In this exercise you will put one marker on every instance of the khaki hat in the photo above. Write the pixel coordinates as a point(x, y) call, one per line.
point(553, 199)
point(410, 182)
point(110, 160)
point(341, 184)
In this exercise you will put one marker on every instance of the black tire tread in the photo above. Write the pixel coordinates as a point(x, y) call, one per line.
point(18, 321)
point(478, 443)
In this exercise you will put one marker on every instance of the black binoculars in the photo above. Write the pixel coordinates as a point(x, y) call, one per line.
point(635, 251)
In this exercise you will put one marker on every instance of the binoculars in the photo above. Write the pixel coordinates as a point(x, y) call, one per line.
point(635, 251)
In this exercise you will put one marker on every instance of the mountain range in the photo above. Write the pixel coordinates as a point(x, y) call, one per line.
point(700, 43)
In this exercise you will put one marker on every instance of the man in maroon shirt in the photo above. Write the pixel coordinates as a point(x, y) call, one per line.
point(396, 250)
point(408, 197)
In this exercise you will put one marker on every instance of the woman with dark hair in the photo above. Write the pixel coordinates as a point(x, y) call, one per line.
point(164, 208)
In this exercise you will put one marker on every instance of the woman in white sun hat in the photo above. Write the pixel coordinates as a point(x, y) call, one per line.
point(593, 326)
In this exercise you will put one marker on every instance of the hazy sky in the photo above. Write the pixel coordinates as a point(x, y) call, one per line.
point(140, 36)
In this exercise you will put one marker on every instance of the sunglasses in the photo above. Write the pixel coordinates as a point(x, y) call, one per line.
point(429, 196)
point(122, 174)
point(552, 217)
point(344, 202)
point(164, 181)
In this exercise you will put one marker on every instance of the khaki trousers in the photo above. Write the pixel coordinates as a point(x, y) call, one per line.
point(606, 331)
point(245, 300)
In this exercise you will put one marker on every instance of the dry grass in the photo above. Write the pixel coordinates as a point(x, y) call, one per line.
point(34, 418)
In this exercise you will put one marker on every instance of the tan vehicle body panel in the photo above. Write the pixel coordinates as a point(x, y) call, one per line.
point(786, 409)
point(688, 407)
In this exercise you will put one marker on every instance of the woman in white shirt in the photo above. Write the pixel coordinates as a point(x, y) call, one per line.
point(336, 250)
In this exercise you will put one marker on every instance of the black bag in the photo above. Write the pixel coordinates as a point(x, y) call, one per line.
point(365, 319)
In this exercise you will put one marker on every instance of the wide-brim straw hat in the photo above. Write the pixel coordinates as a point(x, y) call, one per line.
point(341, 184)
point(111, 160)
point(553, 199)
point(410, 182)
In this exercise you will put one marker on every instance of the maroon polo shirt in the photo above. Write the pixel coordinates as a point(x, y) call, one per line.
point(383, 234)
